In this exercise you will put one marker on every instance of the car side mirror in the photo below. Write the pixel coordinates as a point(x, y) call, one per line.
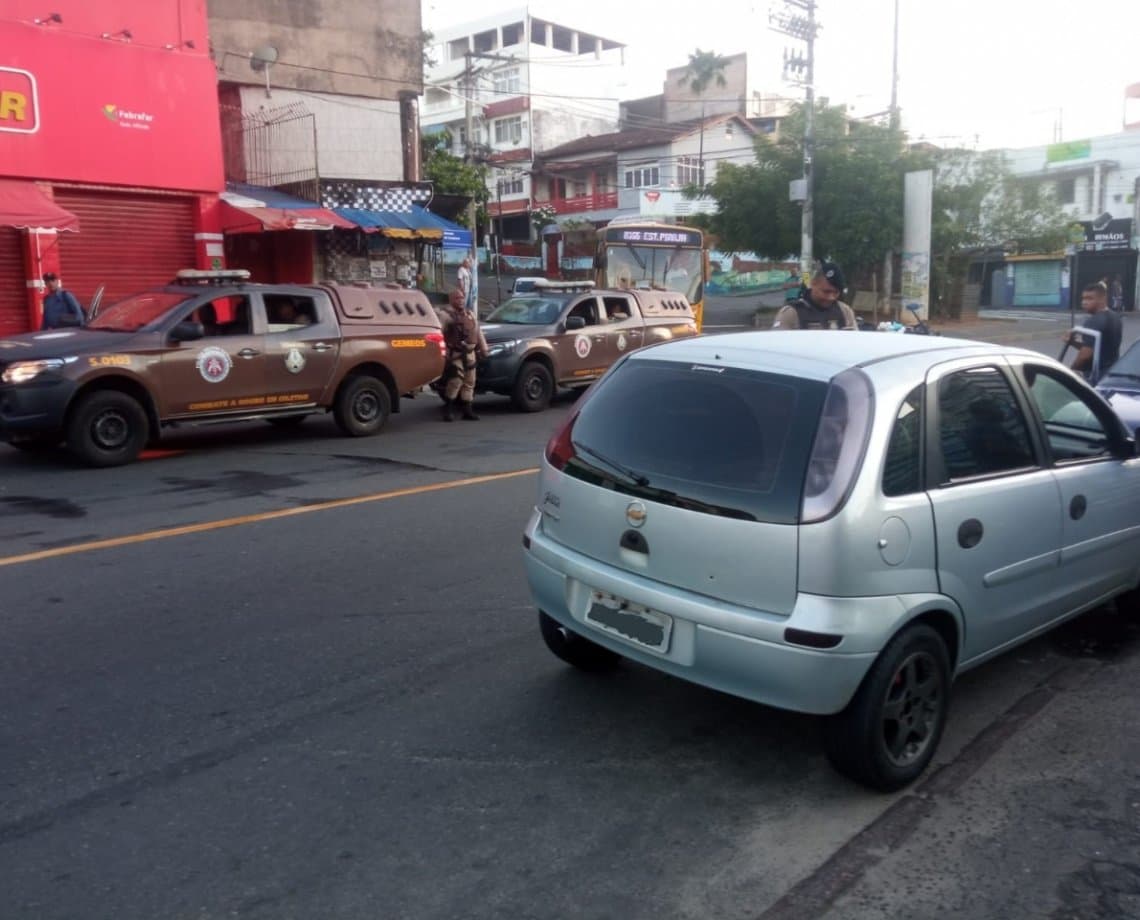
point(187, 331)
point(575, 322)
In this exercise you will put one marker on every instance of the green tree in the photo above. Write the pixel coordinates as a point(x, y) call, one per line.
point(858, 192)
point(451, 175)
point(703, 70)
point(858, 198)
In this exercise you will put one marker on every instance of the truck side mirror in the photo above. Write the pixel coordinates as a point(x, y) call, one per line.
point(575, 322)
point(187, 331)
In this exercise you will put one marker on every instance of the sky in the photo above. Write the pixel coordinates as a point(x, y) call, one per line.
point(978, 73)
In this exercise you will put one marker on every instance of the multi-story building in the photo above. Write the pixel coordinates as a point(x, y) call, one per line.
point(110, 160)
point(524, 85)
point(319, 100)
point(647, 171)
point(1097, 183)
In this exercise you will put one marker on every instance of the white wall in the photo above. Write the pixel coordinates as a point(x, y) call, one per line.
point(357, 138)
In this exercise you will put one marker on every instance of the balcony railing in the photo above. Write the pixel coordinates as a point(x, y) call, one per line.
point(599, 201)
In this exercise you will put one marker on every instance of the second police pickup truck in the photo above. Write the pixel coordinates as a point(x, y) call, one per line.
point(210, 348)
point(568, 334)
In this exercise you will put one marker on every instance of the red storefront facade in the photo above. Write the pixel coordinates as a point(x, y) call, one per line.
point(109, 113)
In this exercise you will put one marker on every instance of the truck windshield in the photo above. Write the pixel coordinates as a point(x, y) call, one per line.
point(529, 311)
point(655, 267)
point(137, 311)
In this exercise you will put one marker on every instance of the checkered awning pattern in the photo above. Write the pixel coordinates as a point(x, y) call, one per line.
point(344, 194)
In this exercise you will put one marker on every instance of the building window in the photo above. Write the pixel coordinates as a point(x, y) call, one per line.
point(508, 130)
point(507, 81)
point(579, 190)
point(511, 185)
point(457, 49)
point(1067, 191)
point(513, 34)
point(486, 41)
point(690, 171)
point(643, 177)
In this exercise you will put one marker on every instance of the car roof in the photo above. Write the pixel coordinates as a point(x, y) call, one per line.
point(820, 355)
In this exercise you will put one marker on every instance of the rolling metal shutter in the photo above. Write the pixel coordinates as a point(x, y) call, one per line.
point(13, 290)
point(126, 241)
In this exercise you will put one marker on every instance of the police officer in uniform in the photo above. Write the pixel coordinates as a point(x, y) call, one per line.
point(465, 346)
point(819, 307)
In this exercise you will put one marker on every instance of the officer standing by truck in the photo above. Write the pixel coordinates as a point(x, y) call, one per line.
point(465, 346)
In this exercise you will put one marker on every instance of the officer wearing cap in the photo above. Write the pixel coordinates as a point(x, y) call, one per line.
point(819, 307)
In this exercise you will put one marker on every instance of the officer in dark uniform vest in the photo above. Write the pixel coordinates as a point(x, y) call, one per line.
point(820, 306)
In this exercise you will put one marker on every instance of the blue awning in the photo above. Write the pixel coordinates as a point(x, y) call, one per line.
point(417, 223)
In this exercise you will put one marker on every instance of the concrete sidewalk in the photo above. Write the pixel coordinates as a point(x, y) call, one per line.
point(1010, 326)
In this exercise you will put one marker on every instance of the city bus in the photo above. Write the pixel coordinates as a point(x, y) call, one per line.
point(635, 253)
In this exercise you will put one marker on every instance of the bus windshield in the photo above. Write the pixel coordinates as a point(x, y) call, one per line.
point(677, 269)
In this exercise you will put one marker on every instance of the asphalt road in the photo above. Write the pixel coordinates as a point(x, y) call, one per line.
point(275, 674)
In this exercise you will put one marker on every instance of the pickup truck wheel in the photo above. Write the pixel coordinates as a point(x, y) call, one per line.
point(889, 731)
point(362, 406)
point(534, 388)
point(574, 649)
point(107, 428)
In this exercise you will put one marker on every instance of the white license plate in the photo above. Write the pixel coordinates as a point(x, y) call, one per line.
point(630, 621)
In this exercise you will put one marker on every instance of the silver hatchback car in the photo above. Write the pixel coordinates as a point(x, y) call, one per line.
point(830, 523)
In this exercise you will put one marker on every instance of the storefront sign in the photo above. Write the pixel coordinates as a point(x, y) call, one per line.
point(19, 107)
point(1101, 237)
point(76, 106)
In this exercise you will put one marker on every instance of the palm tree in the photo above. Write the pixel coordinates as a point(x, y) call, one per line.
point(704, 69)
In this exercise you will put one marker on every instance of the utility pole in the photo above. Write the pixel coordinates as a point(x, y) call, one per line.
point(469, 144)
point(797, 20)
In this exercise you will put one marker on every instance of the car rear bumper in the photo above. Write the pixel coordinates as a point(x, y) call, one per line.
point(726, 647)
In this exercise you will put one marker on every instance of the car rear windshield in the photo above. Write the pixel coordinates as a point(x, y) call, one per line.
point(717, 439)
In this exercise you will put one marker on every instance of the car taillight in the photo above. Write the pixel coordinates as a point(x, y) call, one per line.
point(437, 337)
point(560, 449)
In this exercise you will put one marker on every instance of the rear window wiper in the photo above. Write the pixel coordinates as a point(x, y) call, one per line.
point(628, 472)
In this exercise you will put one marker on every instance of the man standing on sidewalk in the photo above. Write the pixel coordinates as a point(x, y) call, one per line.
point(60, 306)
point(820, 306)
point(1099, 318)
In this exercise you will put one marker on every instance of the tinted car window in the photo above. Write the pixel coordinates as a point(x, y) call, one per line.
point(1071, 426)
point(981, 428)
point(723, 440)
point(902, 465)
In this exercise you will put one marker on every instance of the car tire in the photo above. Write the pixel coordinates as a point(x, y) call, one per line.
point(362, 406)
point(575, 649)
point(890, 730)
point(107, 428)
point(534, 388)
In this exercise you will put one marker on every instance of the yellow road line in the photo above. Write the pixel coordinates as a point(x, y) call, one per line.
point(255, 518)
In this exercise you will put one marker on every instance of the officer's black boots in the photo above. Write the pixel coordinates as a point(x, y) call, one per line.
point(449, 409)
point(469, 412)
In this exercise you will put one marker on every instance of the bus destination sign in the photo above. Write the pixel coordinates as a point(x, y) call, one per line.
point(653, 237)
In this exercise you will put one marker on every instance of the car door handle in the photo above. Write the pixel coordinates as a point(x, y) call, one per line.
point(248, 353)
point(322, 346)
point(970, 533)
point(1077, 507)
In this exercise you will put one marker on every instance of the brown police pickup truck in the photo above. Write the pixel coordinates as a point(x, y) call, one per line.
point(569, 334)
point(211, 347)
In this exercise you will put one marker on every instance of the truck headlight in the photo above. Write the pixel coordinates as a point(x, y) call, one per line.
point(502, 348)
point(23, 371)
